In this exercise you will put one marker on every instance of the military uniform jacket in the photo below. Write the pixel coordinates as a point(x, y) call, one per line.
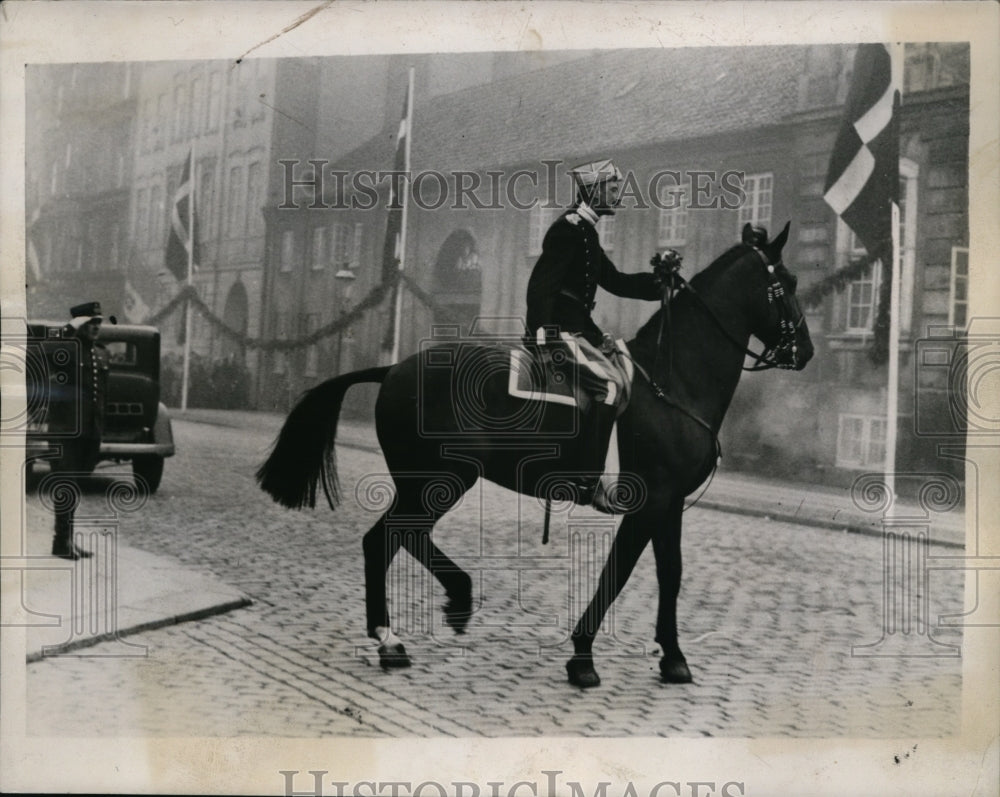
point(564, 281)
point(78, 404)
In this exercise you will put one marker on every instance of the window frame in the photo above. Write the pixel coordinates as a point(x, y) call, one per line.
point(956, 279)
point(748, 212)
point(871, 440)
point(540, 218)
point(286, 252)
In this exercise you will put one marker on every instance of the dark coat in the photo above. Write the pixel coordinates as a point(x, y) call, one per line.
point(77, 404)
point(564, 281)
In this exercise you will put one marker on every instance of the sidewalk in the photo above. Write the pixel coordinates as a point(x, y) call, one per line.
point(808, 504)
point(66, 606)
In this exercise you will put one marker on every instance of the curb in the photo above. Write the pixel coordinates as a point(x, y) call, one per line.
point(198, 614)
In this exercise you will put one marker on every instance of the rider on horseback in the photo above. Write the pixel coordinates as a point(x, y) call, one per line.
point(561, 296)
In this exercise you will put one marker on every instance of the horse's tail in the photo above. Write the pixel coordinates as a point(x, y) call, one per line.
point(303, 453)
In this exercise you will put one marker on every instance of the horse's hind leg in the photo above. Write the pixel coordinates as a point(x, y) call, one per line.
point(408, 524)
point(380, 548)
point(456, 582)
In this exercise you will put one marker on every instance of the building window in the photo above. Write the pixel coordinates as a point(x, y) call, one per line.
point(606, 232)
point(356, 245)
point(958, 303)
point(160, 129)
point(197, 101)
point(672, 228)
point(237, 203)
point(340, 249)
point(756, 209)
point(205, 202)
point(141, 232)
point(156, 212)
point(280, 333)
point(113, 252)
point(861, 441)
point(312, 351)
point(214, 101)
point(539, 221)
point(861, 299)
point(287, 262)
point(319, 254)
point(255, 198)
point(180, 113)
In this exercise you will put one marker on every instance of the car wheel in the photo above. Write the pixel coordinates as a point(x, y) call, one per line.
point(149, 469)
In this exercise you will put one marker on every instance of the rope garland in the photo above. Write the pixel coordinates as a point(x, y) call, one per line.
point(375, 297)
point(809, 298)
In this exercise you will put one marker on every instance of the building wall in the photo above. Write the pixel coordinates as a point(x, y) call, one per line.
point(790, 422)
point(77, 186)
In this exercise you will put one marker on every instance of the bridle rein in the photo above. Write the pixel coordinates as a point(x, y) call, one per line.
point(783, 354)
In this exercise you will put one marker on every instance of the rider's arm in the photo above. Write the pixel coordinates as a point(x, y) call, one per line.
point(642, 285)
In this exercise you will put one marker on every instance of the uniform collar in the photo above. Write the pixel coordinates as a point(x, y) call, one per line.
point(588, 213)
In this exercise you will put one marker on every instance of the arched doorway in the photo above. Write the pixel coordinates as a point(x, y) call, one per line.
point(458, 280)
point(230, 380)
point(236, 316)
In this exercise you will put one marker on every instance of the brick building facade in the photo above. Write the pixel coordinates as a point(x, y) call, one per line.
point(769, 115)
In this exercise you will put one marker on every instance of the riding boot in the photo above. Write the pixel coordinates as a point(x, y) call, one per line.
point(63, 544)
point(595, 438)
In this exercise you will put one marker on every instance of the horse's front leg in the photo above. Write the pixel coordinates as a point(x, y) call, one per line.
point(632, 537)
point(667, 548)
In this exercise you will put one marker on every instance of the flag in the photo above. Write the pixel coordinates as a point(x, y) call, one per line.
point(135, 309)
point(180, 239)
point(392, 253)
point(862, 182)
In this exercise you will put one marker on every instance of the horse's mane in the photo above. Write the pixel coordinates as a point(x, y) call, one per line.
point(701, 281)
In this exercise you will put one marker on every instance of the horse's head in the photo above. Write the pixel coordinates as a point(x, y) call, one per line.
point(780, 326)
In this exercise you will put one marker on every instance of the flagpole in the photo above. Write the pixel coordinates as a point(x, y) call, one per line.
point(398, 311)
point(895, 286)
point(190, 273)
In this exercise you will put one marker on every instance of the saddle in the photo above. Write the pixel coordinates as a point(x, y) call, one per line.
point(572, 371)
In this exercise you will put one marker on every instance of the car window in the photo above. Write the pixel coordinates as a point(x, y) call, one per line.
point(122, 353)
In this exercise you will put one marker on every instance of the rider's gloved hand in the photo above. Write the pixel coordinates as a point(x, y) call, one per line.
point(665, 266)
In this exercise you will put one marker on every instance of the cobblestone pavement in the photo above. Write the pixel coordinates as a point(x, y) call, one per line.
point(769, 612)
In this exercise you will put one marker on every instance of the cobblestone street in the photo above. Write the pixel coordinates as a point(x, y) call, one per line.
point(769, 613)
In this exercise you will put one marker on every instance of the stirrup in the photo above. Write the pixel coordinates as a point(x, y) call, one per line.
point(604, 496)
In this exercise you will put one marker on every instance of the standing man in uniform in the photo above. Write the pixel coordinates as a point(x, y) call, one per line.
point(561, 294)
point(80, 409)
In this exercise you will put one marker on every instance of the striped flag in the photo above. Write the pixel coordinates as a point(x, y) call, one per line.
point(392, 249)
point(394, 224)
point(862, 184)
point(863, 179)
point(180, 241)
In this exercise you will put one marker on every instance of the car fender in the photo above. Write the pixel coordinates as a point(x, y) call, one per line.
point(163, 431)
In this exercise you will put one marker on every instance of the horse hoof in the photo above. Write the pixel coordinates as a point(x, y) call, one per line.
point(582, 673)
point(393, 657)
point(457, 612)
point(674, 671)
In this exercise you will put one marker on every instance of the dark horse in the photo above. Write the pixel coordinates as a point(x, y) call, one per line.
point(441, 429)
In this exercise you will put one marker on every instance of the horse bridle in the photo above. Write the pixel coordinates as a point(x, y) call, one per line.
point(785, 352)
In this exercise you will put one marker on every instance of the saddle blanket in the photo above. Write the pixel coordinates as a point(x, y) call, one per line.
point(571, 371)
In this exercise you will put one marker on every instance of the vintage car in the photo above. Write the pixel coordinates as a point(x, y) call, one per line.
point(136, 425)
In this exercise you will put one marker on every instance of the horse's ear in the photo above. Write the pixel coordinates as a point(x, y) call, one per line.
point(779, 242)
point(747, 236)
